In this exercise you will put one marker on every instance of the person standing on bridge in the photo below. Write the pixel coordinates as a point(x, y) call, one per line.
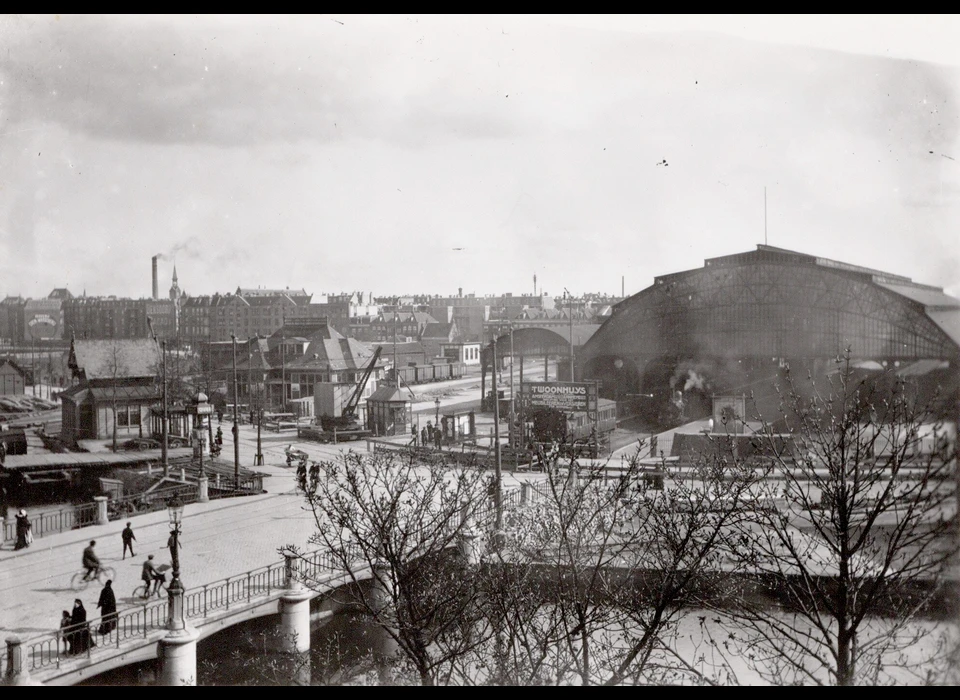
point(128, 539)
point(65, 633)
point(24, 530)
point(80, 630)
point(108, 609)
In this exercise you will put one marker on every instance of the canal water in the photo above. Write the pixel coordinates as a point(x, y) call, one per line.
point(243, 655)
point(341, 650)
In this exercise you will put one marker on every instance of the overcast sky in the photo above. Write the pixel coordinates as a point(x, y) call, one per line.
point(416, 154)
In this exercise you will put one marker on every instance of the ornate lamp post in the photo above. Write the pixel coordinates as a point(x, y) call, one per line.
point(175, 619)
point(436, 418)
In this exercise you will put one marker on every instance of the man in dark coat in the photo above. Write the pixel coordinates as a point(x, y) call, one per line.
point(128, 539)
point(108, 609)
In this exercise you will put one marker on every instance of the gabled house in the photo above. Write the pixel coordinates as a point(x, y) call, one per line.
point(435, 336)
point(13, 378)
point(332, 358)
point(116, 384)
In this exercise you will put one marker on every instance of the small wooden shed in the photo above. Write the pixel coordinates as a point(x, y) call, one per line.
point(389, 411)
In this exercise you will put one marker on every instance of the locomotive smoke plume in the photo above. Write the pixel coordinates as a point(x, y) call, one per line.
point(689, 376)
point(694, 381)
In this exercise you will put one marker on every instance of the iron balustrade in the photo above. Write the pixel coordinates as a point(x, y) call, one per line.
point(87, 514)
point(50, 650)
point(139, 622)
point(56, 521)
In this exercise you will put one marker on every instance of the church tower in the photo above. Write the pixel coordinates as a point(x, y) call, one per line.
point(175, 288)
point(175, 296)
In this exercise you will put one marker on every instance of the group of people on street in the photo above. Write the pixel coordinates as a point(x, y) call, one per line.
point(428, 436)
point(74, 629)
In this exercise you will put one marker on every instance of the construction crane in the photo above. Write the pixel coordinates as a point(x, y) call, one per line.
point(347, 420)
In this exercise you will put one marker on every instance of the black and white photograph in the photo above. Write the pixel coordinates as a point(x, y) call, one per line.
point(479, 350)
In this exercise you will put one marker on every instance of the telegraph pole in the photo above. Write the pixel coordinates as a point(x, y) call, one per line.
point(497, 503)
point(236, 430)
point(283, 366)
point(164, 428)
point(570, 314)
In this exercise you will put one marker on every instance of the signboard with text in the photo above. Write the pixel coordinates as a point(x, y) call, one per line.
point(569, 397)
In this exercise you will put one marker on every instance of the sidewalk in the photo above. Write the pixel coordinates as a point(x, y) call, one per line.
point(220, 539)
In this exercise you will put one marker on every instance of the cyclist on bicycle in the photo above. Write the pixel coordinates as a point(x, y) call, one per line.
point(151, 577)
point(91, 562)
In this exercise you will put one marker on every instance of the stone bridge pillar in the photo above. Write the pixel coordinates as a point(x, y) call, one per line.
point(177, 655)
point(177, 652)
point(17, 673)
point(102, 517)
point(469, 546)
point(294, 611)
point(384, 646)
point(526, 488)
point(294, 638)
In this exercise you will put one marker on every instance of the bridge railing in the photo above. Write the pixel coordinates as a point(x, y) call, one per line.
point(101, 634)
point(54, 521)
point(84, 515)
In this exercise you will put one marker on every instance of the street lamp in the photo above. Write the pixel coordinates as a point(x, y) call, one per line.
point(436, 418)
point(175, 619)
point(236, 429)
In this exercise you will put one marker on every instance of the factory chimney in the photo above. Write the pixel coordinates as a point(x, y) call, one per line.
point(156, 286)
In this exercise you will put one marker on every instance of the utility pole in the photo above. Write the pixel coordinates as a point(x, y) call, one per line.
point(236, 429)
point(570, 313)
point(164, 428)
point(497, 502)
point(283, 366)
point(396, 370)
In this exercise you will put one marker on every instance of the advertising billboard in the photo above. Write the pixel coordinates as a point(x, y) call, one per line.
point(42, 319)
point(569, 397)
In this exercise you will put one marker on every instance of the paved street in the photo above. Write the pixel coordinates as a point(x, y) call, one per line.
point(220, 539)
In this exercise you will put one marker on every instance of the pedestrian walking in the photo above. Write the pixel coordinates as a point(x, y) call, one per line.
point(128, 539)
point(314, 476)
point(413, 435)
point(219, 438)
point(108, 609)
point(79, 629)
point(24, 530)
point(423, 437)
point(437, 438)
point(65, 633)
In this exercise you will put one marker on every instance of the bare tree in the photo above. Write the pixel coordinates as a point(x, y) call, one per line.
point(856, 554)
point(385, 518)
point(117, 367)
point(598, 572)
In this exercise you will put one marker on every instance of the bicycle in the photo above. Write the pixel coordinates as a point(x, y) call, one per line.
point(82, 579)
point(141, 592)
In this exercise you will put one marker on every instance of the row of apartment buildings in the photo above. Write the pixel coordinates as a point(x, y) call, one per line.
point(257, 312)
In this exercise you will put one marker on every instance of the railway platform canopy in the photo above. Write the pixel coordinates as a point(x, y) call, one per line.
point(741, 318)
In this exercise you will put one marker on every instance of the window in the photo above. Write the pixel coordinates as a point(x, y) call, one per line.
point(122, 418)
